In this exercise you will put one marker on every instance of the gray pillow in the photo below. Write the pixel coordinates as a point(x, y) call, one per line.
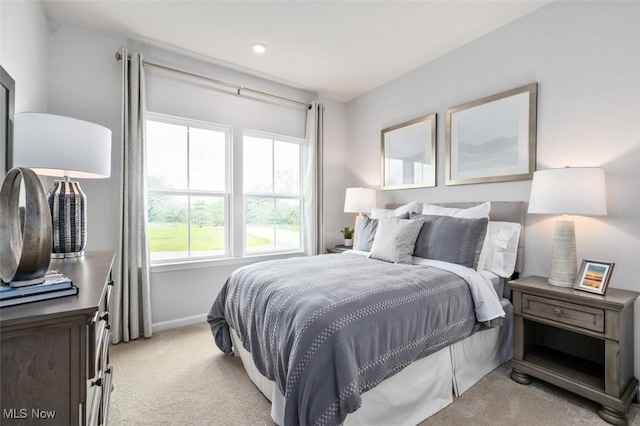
point(451, 239)
point(366, 232)
point(395, 240)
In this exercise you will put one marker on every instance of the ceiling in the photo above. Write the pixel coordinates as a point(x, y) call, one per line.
point(338, 49)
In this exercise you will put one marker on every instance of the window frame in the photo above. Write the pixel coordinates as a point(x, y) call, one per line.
point(273, 195)
point(226, 194)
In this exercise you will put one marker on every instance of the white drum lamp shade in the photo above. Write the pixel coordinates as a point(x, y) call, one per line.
point(359, 200)
point(567, 191)
point(53, 145)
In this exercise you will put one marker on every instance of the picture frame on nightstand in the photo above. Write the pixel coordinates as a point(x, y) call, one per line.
point(594, 276)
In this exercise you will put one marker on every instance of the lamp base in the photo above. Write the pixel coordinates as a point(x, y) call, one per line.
point(359, 219)
point(67, 255)
point(68, 205)
point(564, 261)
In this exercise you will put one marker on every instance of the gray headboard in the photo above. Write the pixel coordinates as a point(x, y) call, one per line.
point(506, 211)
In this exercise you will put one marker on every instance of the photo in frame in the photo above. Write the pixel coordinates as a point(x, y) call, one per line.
point(594, 276)
point(408, 154)
point(492, 139)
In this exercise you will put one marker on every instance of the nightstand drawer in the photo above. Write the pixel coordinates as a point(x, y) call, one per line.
point(565, 313)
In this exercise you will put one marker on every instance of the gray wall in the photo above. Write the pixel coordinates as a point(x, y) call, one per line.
point(585, 57)
point(29, 70)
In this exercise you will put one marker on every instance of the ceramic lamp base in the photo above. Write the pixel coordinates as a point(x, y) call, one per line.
point(68, 206)
point(563, 255)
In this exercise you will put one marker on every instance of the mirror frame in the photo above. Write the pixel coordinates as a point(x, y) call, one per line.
point(429, 146)
point(6, 138)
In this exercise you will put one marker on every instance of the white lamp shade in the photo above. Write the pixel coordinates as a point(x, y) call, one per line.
point(53, 145)
point(359, 200)
point(570, 190)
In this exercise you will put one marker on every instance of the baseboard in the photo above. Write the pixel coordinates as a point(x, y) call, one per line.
point(180, 322)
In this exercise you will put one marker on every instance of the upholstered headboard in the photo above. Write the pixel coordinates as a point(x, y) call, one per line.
point(506, 211)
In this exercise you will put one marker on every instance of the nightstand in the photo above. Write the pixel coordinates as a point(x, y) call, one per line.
point(579, 341)
point(339, 249)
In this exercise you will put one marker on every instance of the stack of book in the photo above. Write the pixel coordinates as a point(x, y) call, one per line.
point(55, 285)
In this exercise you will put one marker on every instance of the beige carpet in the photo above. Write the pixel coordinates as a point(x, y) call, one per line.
point(179, 377)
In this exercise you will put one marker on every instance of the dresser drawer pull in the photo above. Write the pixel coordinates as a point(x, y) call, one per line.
point(557, 311)
point(105, 317)
point(98, 382)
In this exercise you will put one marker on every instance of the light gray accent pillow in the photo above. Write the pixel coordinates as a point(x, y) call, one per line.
point(366, 232)
point(451, 239)
point(395, 240)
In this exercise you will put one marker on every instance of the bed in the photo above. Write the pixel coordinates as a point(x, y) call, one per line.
point(383, 343)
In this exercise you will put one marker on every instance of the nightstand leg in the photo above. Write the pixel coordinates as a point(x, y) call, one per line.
point(517, 376)
point(612, 416)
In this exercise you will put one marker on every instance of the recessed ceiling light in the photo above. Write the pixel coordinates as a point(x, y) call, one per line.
point(259, 48)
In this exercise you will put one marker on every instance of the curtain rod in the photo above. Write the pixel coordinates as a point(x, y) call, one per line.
point(236, 87)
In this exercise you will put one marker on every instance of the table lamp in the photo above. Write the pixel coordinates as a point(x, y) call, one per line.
point(567, 191)
point(359, 200)
point(52, 145)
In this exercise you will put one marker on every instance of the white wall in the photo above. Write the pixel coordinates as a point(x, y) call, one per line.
point(334, 172)
point(23, 54)
point(84, 82)
point(585, 57)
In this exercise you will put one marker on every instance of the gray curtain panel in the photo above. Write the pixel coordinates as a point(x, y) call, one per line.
point(312, 189)
point(131, 306)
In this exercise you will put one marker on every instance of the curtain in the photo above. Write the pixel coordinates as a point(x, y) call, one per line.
point(131, 302)
point(312, 191)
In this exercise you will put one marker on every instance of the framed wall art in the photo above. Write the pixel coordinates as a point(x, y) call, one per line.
point(594, 276)
point(409, 154)
point(7, 96)
point(492, 139)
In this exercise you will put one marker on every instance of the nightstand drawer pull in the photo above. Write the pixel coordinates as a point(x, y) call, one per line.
point(557, 311)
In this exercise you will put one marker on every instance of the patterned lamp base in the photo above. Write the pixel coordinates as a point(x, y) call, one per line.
point(69, 215)
point(563, 255)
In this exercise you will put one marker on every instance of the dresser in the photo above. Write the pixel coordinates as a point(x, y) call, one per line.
point(579, 341)
point(55, 353)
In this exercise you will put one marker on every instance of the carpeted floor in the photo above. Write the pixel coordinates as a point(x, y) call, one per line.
point(179, 377)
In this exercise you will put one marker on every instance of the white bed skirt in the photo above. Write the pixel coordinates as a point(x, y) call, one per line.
point(412, 395)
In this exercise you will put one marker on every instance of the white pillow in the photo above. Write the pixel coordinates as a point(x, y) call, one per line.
point(395, 240)
point(500, 248)
point(377, 213)
point(475, 212)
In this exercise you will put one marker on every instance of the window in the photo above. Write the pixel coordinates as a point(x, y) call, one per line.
point(188, 188)
point(272, 192)
point(192, 183)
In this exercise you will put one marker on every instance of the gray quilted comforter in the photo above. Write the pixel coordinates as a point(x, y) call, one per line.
point(328, 328)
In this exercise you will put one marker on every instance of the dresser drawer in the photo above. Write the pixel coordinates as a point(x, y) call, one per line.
point(563, 312)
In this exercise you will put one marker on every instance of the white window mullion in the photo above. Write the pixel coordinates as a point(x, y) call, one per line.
point(188, 198)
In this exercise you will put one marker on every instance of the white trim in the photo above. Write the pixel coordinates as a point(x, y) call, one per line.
point(189, 264)
point(180, 322)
